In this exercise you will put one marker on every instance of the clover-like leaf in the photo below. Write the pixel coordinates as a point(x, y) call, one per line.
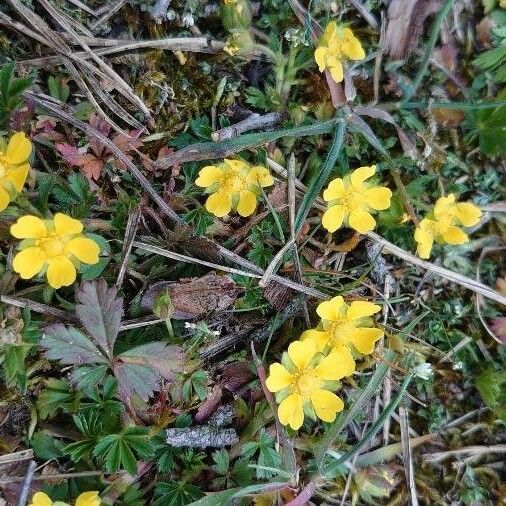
point(100, 311)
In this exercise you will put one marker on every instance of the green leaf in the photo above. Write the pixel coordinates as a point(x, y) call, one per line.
point(492, 387)
point(56, 395)
point(121, 451)
point(488, 5)
point(176, 493)
point(45, 446)
point(376, 426)
point(197, 383)
point(344, 419)
point(317, 183)
point(14, 364)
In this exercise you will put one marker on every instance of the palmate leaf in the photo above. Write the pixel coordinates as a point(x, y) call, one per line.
point(138, 370)
point(121, 451)
point(100, 312)
point(69, 345)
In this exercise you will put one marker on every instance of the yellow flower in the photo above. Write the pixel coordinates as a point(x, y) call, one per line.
point(344, 325)
point(55, 247)
point(88, 499)
point(14, 166)
point(84, 499)
point(233, 184)
point(442, 224)
point(351, 201)
point(502, 4)
point(303, 380)
point(336, 44)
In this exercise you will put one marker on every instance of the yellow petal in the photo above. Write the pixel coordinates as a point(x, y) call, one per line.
point(361, 221)
point(29, 227)
point(41, 499)
point(331, 309)
point(290, 411)
point(453, 235)
point(88, 499)
point(65, 225)
point(320, 56)
point(247, 203)
point(443, 205)
point(319, 337)
point(278, 378)
point(334, 190)
point(424, 246)
point(468, 214)
point(208, 176)
point(336, 365)
point(333, 217)
point(326, 405)
point(260, 176)
point(17, 176)
point(361, 309)
point(5, 198)
point(328, 34)
point(378, 197)
point(353, 49)
point(60, 272)
point(301, 353)
point(236, 165)
point(19, 149)
point(84, 249)
point(358, 176)
point(364, 338)
point(337, 72)
point(219, 203)
point(29, 262)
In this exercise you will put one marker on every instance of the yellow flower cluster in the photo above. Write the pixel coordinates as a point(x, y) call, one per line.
point(351, 201)
point(233, 185)
point(14, 167)
point(442, 224)
point(311, 367)
point(337, 44)
point(84, 499)
point(54, 247)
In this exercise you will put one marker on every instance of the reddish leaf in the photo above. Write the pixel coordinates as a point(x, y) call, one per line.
point(498, 325)
point(90, 164)
point(104, 128)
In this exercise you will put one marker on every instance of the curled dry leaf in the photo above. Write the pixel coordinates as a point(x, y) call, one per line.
point(406, 20)
point(194, 298)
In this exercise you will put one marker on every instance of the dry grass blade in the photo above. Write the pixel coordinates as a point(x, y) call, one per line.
point(130, 232)
point(118, 81)
point(111, 46)
point(407, 455)
point(461, 280)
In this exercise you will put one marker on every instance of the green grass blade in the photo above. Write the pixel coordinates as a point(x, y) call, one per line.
point(316, 185)
point(371, 389)
point(392, 405)
point(214, 150)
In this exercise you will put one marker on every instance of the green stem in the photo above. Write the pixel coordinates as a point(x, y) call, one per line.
point(434, 34)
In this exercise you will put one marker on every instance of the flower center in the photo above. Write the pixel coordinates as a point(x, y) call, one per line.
point(307, 382)
point(351, 200)
point(341, 331)
point(52, 246)
point(233, 183)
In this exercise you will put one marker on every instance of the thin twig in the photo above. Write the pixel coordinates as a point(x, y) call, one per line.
point(253, 122)
point(130, 232)
point(461, 280)
point(23, 497)
point(48, 477)
point(364, 12)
